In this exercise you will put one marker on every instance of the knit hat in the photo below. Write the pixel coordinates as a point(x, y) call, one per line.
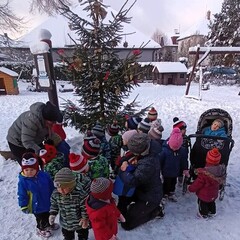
point(30, 160)
point(64, 178)
point(78, 163)
point(175, 140)
point(157, 123)
point(144, 125)
point(132, 122)
point(220, 121)
point(155, 133)
point(51, 113)
point(91, 147)
point(48, 153)
point(179, 124)
point(98, 130)
point(127, 135)
point(213, 156)
point(101, 188)
point(152, 114)
point(138, 143)
point(113, 129)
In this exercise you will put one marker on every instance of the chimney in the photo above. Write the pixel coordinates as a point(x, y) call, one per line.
point(208, 15)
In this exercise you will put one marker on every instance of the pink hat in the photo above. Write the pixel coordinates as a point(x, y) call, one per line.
point(175, 140)
point(127, 135)
point(78, 163)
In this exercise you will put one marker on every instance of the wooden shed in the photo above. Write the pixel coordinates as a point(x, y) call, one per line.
point(8, 82)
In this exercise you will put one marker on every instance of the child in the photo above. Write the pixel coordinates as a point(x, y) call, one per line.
point(53, 161)
point(115, 143)
point(102, 210)
point(216, 129)
point(173, 159)
point(98, 164)
point(144, 126)
point(152, 114)
point(206, 186)
point(69, 201)
point(131, 123)
point(32, 196)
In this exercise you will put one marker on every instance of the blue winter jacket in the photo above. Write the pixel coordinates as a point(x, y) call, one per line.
point(173, 162)
point(35, 192)
point(220, 132)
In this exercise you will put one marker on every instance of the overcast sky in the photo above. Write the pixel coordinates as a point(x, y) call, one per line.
point(148, 15)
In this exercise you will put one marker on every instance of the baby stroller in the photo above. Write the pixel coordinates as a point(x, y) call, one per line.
point(205, 143)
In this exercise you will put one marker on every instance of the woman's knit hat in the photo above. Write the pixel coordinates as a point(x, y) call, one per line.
point(138, 143)
point(101, 188)
point(144, 125)
point(132, 122)
point(179, 124)
point(48, 153)
point(176, 139)
point(213, 156)
point(78, 163)
point(127, 135)
point(51, 113)
point(30, 160)
point(152, 114)
point(98, 130)
point(91, 147)
point(64, 178)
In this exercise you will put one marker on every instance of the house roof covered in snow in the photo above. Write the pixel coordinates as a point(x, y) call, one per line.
point(169, 67)
point(200, 28)
point(8, 72)
point(60, 30)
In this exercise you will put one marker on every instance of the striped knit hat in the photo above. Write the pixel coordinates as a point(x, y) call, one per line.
point(48, 153)
point(152, 114)
point(213, 156)
point(132, 122)
point(179, 124)
point(101, 188)
point(78, 163)
point(91, 147)
point(155, 133)
point(64, 178)
point(98, 130)
point(113, 129)
point(144, 125)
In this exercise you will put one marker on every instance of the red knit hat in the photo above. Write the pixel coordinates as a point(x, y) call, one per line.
point(113, 129)
point(179, 124)
point(101, 188)
point(48, 153)
point(91, 147)
point(78, 163)
point(175, 140)
point(30, 160)
point(213, 156)
point(152, 114)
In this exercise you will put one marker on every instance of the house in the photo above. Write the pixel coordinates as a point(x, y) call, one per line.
point(8, 82)
point(169, 73)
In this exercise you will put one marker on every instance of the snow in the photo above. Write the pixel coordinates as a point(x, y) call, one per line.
point(40, 47)
point(180, 221)
point(8, 72)
point(170, 67)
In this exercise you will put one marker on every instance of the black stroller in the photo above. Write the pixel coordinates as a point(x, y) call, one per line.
point(205, 143)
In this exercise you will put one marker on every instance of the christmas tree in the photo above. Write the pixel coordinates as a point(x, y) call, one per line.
point(102, 80)
point(225, 31)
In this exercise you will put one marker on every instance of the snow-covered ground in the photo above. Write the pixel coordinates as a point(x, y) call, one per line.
point(180, 222)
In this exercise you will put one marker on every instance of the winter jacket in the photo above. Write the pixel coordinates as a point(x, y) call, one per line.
point(71, 207)
point(98, 167)
point(105, 149)
point(173, 162)
point(29, 129)
point(35, 192)
point(115, 143)
point(54, 165)
point(103, 217)
point(64, 148)
point(146, 179)
point(220, 132)
point(58, 128)
point(207, 183)
point(156, 146)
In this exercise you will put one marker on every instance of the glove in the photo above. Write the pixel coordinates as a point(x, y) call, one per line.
point(186, 173)
point(51, 219)
point(84, 223)
point(25, 210)
point(122, 218)
point(113, 237)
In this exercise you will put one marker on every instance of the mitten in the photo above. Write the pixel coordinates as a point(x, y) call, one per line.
point(122, 218)
point(51, 219)
point(25, 210)
point(83, 223)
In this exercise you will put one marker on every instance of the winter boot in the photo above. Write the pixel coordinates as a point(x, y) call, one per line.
point(44, 233)
point(172, 197)
point(54, 227)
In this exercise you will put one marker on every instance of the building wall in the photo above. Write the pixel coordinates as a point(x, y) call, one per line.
point(10, 84)
point(169, 78)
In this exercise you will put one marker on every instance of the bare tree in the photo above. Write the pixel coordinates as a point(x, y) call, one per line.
point(159, 37)
point(8, 19)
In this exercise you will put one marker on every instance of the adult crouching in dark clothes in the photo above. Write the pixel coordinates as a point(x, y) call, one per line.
point(30, 129)
point(146, 180)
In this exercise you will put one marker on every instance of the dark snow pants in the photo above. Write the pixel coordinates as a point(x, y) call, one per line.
point(206, 208)
point(70, 235)
point(42, 220)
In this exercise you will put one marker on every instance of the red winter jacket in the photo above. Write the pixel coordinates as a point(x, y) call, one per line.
point(103, 217)
point(207, 183)
point(58, 129)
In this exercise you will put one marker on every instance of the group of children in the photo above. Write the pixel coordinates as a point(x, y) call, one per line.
point(81, 191)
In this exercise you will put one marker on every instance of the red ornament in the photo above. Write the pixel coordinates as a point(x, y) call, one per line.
point(106, 75)
point(136, 52)
point(60, 51)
